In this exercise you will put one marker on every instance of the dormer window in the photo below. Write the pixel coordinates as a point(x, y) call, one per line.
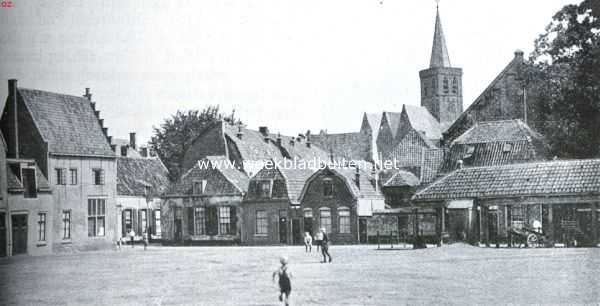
point(264, 189)
point(199, 187)
point(469, 152)
point(28, 178)
point(507, 147)
point(327, 188)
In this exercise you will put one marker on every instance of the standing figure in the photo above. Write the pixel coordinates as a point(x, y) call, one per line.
point(318, 239)
point(307, 242)
point(285, 283)
point(131, 236)
point(145, 236)
point(325, 246)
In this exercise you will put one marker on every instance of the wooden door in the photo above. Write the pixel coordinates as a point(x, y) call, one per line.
point(3, 233)
point(283, 230)
point(362, 230)
point(19, 234)
point(296, 232)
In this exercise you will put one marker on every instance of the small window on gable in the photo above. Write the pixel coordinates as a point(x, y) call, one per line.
point(264, 189)
point(278, 189)
point(327, 188)
point(199, 187)
point(507, 147)
point(469, 152)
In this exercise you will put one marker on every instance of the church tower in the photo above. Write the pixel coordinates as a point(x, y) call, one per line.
point(441, 84)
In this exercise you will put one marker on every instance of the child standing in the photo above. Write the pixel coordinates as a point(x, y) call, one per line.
point(285, 283)
point(318, 239)
point(307, 242)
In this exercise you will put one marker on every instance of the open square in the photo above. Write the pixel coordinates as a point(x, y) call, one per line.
point(358, 275)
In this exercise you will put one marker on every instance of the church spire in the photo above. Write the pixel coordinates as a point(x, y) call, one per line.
point(439, 52)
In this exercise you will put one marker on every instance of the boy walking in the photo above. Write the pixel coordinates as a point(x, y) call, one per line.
point(285, 283)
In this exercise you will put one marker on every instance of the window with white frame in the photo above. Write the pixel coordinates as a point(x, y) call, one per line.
point(98, 176)
point(344, 220)
point(261, 222)
point(199, 220)
point(61, 176)
point(66, 224)
point(42, 227)
point(327, 188)
point(325, 218)
point(144, 219)
point(96, 217)
point(74, 177)
point(224, 220)
point(157, 227)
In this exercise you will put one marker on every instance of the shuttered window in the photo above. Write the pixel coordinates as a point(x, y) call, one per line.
point(61, 176)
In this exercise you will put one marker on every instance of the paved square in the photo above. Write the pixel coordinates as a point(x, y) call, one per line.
point(359, 275)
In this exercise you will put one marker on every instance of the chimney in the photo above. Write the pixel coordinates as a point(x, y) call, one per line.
point(124, 150)
point(460, 163)
point(278, 139)
point(357, 177)
point(132, 142)
point(97, 113)
point(292, 142)
point(308, 139)
point(265, 132)
point(144, 152)
point(374, 177)
point(519, 53)
point(105, 131)
point(109, 139)
point(239, 134)
point(12, 92)
point(101, 121)
point(88, 95)
point(113, 148)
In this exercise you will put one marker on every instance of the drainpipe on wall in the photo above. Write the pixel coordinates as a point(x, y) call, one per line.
point(12, 91)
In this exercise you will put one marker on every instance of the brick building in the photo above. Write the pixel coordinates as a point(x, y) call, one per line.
point(562, 197)
point(270, 208)
point(204, 206)
point(65, 137)
point(341, 200)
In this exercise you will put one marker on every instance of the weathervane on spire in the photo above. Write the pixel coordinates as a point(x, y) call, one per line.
point(437, 4)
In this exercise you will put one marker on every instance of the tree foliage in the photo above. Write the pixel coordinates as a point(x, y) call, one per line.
point(567, 58)
point(175, 135)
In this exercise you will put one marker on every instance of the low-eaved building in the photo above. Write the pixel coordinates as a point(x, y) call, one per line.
point(140, 183)
point(270, 208)
point(559, 199)
point(340, 200)
point(204, 205)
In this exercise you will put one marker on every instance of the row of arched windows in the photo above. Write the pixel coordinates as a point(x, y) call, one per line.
point(445, 86)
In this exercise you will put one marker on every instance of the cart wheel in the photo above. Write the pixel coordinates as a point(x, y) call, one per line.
point(532, 239)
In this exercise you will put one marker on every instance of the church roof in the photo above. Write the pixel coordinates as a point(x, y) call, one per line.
point(439, 51)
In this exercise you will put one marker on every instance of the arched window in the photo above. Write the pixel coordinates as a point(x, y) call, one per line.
point(454, 85)
point(445, 85)
point(344, 220)
point(325, 218)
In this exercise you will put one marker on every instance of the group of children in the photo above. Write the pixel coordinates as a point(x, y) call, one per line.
point(321, 241)
point(131, 235)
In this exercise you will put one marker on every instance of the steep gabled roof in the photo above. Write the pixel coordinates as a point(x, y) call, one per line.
point(14, 184)
point(252, 146)
point(421, 120)
point(351, 146)
point(366, 190)
point(496, 131)
point(295, 180)
point(67, 123)
point(439, 51)
point(402, 178)
point(236, 177)
point(374, 121)
point(393, 121)
point(553, 178)
point(134, 173)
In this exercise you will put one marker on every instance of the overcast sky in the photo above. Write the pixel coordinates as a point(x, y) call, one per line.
point(289, 65)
